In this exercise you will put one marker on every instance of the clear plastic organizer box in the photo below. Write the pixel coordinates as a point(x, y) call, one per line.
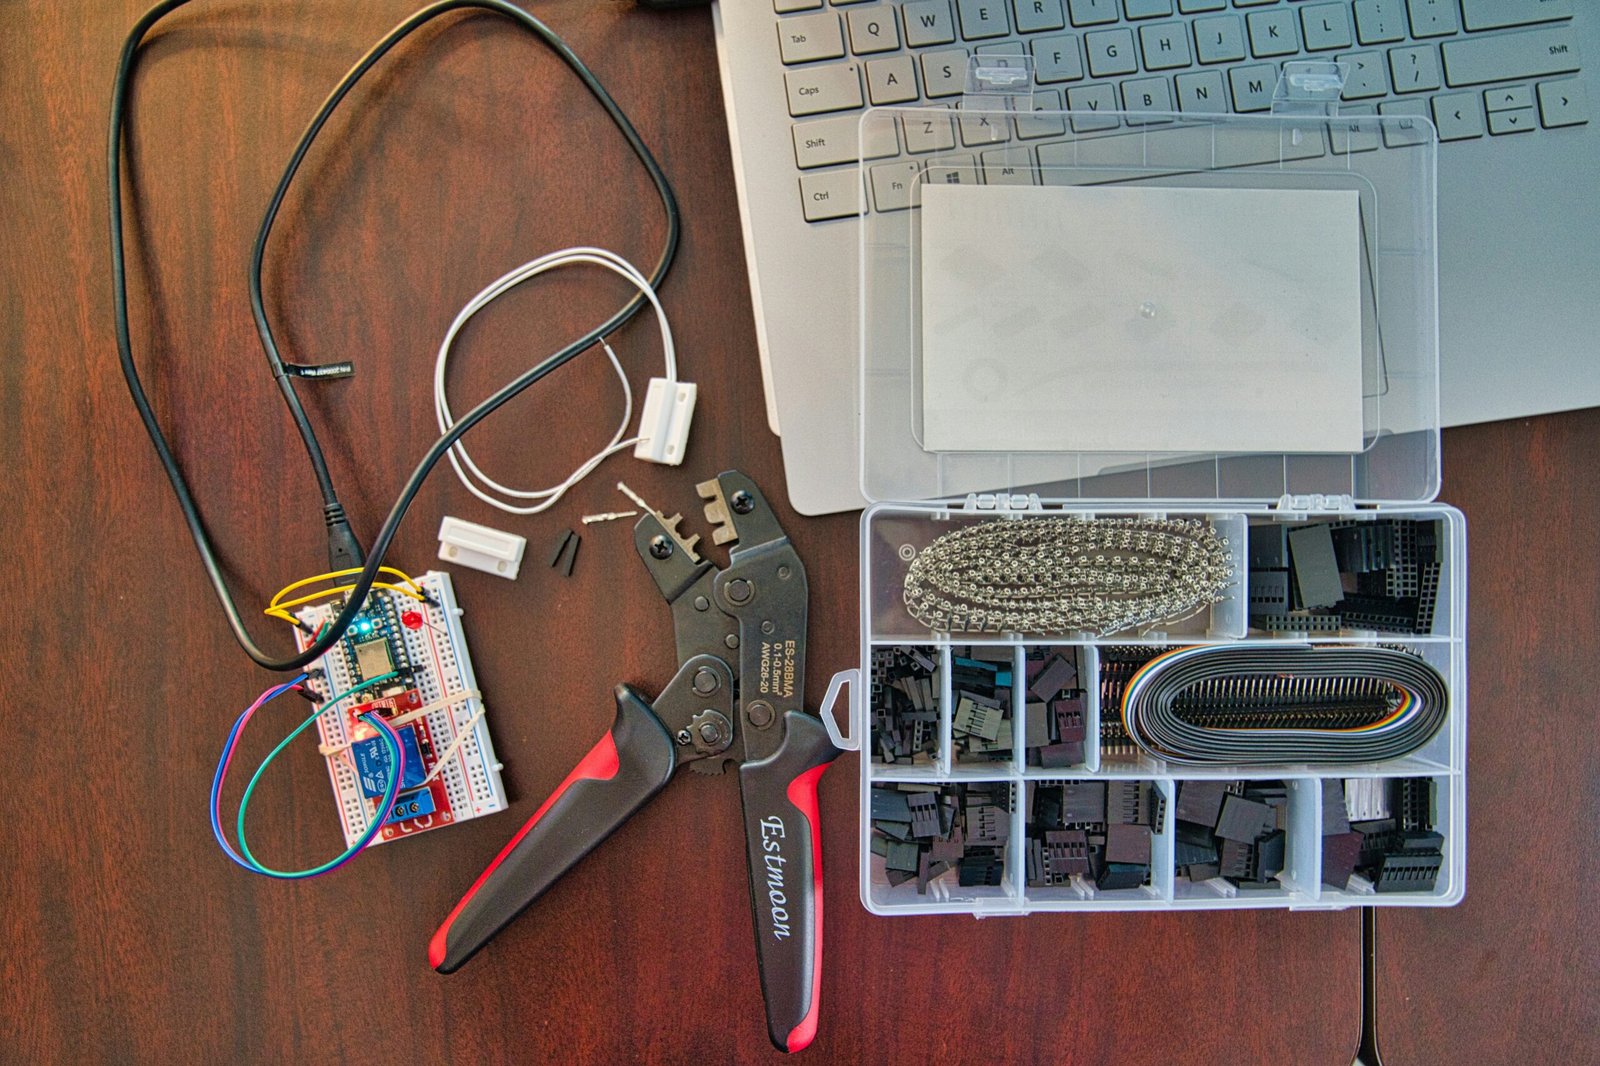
point(1250, 498)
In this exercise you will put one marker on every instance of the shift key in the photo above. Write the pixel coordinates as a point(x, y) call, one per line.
point(1502, 57)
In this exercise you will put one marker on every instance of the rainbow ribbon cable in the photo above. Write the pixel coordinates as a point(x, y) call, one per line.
point(1411, 707)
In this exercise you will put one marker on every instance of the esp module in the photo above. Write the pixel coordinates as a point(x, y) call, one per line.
point(432, 702)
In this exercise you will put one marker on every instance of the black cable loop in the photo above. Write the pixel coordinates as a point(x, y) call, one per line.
point(391, 524)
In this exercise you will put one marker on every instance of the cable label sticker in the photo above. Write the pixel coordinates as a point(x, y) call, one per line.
point(325, 370)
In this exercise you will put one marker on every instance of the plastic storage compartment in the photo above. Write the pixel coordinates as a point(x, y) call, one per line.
point(1252, 500)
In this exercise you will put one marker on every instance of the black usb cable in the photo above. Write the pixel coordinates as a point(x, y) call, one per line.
point(344, 551)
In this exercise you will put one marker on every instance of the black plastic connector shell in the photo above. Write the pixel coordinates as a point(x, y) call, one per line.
point(344, 551)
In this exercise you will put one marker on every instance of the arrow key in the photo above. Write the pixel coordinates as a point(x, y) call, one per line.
point(1519, 121)
point(1459, 116)
point(1563, 103)
point(1508, 98)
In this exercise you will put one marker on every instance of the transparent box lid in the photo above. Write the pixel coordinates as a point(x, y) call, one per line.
point(1023, 402)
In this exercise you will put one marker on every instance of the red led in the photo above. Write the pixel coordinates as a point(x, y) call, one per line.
point(411, 619)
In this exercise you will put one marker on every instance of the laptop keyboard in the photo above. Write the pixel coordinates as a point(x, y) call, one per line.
point(1476, 68)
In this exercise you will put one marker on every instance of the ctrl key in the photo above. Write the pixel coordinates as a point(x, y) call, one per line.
point(831, 194)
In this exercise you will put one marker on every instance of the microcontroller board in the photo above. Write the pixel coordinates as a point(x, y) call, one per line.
point(432, 702)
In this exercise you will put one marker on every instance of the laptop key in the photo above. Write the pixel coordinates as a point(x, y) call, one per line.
point(944, 73)
point(1499, 14)
point(1458, 116)
point(892, 80)
point(783, 7)
point(1405, 132)
point(1220, 39)
point(1272, 33)
point(1510, 56)
point(829, 194)
point(1202, 92)
point(896, 186)
point(1041, 124)
point(1092, 98)
point(1003, 54)
point(1380, 21)
point(928, 22)
point(810, 37)
point(1350, 135)
point(1166, 45)
point(1414, 69)
point(1243, 146)
point(1367, 77)
point(1056, 59)
point(1326, 26)
point(873, 30)
point(1009, 166)
point(982, 19)
point(1194, 7)
point(1034, 16)
point(1433, 18)
point(928, 131)
point(1146, 94)
point(951, 170)
point(1147, 9)
point(1508, 98)
point(1520, 120)
point(816, 90)
point(834, 140)
point(1111, 52)
point(1253, 86)
point(979, 129)
point(1093, 12)
point(1563, 103)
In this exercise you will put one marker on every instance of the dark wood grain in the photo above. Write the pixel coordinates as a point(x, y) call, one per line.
point(1508, 976)
point(128, 937)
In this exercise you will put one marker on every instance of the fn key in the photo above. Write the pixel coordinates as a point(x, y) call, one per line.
point(831, 194)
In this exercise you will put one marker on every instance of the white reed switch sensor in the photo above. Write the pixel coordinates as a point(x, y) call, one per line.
point(481, 548)
point(664, 422)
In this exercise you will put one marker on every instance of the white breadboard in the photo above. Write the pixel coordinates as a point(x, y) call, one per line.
point(437, 650)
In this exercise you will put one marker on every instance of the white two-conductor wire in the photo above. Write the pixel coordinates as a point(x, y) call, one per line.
point(476, 481)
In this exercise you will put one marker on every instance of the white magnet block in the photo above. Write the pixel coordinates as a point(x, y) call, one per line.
point(480, 547)
point(664, 422)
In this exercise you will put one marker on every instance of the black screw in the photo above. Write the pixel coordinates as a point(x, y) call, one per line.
point(705, 681)
point(743, 502)
point(660, 546)
point(740, 590)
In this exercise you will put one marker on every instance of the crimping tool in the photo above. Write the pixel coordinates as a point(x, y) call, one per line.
point(737, 697)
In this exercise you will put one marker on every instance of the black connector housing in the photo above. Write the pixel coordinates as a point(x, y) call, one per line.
point(344, 551)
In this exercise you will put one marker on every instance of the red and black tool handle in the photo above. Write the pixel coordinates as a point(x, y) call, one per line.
point(629, 765)
point(784, 837)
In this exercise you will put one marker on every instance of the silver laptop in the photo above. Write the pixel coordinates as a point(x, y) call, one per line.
point(1504, 81)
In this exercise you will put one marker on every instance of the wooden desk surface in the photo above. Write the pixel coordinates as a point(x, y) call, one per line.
point(129, 937)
